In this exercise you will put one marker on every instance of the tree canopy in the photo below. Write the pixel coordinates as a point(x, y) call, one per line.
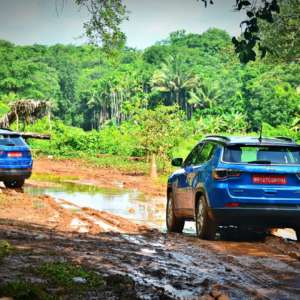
point(89, 88)
point(107, 16)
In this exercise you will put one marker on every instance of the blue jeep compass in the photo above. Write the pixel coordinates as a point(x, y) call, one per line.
point(15, 159)
point(239, 181)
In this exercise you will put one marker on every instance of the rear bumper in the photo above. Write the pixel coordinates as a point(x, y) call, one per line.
point(262, 216)
point(7, 174)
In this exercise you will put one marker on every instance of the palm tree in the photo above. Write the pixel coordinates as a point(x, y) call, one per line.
point(175, 79)
point(205, 95)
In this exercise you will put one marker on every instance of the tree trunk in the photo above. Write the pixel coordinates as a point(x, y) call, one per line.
point(153, 171)
point(178, 99)
point(49, 120)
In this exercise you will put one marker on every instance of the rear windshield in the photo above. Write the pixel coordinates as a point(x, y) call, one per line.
point(11, 140)
point(262, 155)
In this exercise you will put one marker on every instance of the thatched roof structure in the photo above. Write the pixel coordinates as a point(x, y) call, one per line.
point(26, 111)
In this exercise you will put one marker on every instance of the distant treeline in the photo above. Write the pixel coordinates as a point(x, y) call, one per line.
point(199, 73)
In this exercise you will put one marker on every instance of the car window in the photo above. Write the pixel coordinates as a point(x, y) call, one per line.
point(272, 154)
point(200, 154)
point(192, 157)
point(206, 153)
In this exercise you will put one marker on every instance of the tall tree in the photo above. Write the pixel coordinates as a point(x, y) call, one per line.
point(176, 80)
point(107, 16)
point(283, 36)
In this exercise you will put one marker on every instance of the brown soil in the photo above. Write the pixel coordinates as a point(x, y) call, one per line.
point(162, 266)
point(44, 211)
point(101, 177)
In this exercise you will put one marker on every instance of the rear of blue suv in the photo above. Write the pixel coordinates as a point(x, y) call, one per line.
point(236, 181)
point(15, 159)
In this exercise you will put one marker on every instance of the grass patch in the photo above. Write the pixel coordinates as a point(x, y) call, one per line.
point(62, 274)
point(122, 163)
point(22, 290)
point(5, 249)
point(52, 177)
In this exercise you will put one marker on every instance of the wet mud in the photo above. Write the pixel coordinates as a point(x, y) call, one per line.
point(161, 265)
point(166, 266)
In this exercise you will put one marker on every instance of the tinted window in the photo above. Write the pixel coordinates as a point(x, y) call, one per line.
point(11, 140)
point(206, 153)
point(200, 154)
point(192, 157)
point(270, 154)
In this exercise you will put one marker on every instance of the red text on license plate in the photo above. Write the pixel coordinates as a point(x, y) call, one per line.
point(269, 179)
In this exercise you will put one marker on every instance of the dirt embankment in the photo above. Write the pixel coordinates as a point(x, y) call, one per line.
point(101, 177)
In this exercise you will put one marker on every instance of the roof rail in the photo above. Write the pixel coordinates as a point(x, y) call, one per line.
point(8, 129)
point(219, 137)
point(284, 138)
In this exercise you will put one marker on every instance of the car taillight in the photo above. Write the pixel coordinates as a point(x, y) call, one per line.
point(14, 154)
point(221, 174)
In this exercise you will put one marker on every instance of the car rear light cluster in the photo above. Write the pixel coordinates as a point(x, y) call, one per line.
point(221, 174)
point(14, 154)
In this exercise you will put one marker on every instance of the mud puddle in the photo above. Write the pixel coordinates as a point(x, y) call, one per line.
point(131, 205)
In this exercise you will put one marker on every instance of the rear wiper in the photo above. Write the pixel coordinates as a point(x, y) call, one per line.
point(263, 162)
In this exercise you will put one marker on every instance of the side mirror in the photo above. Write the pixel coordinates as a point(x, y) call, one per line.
point(177, 162)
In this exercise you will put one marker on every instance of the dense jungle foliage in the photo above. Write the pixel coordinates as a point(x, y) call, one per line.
point(160, 100)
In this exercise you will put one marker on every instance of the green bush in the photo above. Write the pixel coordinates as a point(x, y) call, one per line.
point(112, 145)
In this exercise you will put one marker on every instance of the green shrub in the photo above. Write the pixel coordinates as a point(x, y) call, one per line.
point(22, 290)
point(63, 274)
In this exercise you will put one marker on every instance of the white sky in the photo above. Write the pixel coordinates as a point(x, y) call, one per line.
point(45, 22)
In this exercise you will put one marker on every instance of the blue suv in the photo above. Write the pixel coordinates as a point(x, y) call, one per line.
point(15, 159)
point(239, 181)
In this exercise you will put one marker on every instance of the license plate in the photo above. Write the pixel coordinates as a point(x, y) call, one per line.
point(269, 179)
point(14, 154)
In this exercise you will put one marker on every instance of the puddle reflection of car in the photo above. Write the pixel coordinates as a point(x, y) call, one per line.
point(15, 159)
point(239, 181)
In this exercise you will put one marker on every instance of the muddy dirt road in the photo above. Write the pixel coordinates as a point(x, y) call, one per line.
point(162, 266)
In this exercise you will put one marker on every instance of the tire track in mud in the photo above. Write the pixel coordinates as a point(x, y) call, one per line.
point(176, 266)
point(163, 266)
point(193, 268)
point(254, 278)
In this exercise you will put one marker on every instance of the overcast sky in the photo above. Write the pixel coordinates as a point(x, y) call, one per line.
point(47, 22)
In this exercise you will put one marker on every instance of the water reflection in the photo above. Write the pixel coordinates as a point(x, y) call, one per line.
point(132, 205)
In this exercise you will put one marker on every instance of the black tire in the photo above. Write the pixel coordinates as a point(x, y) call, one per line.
point(14, 184)
point(297, 230)
point(206, 228)
point(174, 224)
